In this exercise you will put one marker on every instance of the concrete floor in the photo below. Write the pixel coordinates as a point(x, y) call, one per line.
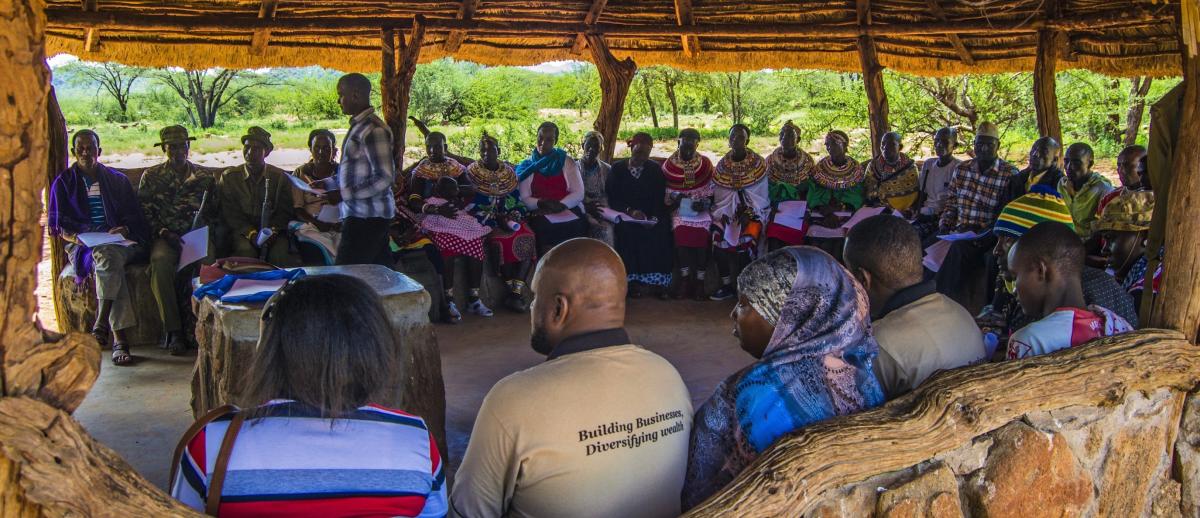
point(141, 411)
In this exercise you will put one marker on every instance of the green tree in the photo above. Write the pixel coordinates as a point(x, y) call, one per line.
point(205, 92)
point(439, 90)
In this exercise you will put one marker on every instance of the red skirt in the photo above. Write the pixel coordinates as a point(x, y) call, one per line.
point(788, 235)
point(451, 245)
point(691, 237)
point(517, 246)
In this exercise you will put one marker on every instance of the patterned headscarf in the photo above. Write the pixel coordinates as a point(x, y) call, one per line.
point(820, 315)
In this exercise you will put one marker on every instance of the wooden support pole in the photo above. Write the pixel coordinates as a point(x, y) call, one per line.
point(266, 11)
point(684, 18)
point(964, 54)
point(589, 19)
point(466, 11)
point(1045, 98)
point(399, 64)
point(91, 36)
point(59, 156)
point(877, 101)
point(1177, 305)
point(615, 78)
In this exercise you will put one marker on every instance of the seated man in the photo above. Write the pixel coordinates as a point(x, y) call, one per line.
point(1082, 188)
point(1131, 169)
point(600, 429)
point(919, 330)
point(176, 198)
point(1042, 169)
point(934, 180)
point(1047, 262)
point(1124, 226)
point(256, 228)
point(90, 197)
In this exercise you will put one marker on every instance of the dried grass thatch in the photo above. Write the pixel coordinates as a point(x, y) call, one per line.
point(928, 37)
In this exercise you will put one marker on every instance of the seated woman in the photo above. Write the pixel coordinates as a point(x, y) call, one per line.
point(637, 188)
point(891, 178)
point(551, 186)
point(459, 236)
point(498, 206)
point(318, 239)
point(595, 177)
point(807, 322)
point(788, 170)
point(689, 196)
point(741, 204)
point(315, 443)
point(89, 197)
point(435, 166)
point(836, 186)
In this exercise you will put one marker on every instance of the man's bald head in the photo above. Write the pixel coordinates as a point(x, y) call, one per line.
point(579, 286)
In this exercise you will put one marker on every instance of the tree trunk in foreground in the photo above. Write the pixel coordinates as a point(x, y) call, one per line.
point(1140, 86)
point(1045, 99)
point(615, 78)
point(877, 101)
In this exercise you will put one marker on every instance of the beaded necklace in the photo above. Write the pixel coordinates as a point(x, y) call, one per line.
point(431, 170)
point(790, 171)
point(492, 182)
point(833, 176)
point(739, 175)
point(682, 175)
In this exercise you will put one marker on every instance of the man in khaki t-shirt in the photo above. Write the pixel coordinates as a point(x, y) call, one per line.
point(600, 429)
point(919, 330)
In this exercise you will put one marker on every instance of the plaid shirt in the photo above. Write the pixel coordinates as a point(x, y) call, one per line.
point(974, 198)
point(367, 170)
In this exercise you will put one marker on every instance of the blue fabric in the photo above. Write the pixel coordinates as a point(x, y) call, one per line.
point(95, 206)
point(217, 289)
point(549, 165)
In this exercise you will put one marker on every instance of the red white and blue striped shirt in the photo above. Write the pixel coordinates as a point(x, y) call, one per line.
point(292, 462)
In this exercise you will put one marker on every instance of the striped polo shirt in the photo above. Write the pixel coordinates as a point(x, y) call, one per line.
point(374, 462)
point(95, 204)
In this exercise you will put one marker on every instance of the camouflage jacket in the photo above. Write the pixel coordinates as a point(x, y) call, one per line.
point(171, 202)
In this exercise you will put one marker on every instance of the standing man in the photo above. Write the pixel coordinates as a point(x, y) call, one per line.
point(1082, 188)
point(973, 201)
point(176, 197)
point(365, 178)
point(246, 191)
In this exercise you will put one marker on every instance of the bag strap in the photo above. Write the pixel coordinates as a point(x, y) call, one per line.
point(190, 434)
point(216, 480)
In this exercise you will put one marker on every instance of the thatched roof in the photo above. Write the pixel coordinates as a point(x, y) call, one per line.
point(928, 37)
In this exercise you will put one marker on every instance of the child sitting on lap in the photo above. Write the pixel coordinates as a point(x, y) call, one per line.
point(458, 235)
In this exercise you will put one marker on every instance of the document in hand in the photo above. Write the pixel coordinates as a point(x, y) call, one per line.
point(561, 217)
point(733, 234)
point(935, 255)
point(303, 186)
point(963, 236)
point(791, 214)
point(621, 217)
point(329, 214)
point(195, 247)
point(95, 239)
point(828, 233)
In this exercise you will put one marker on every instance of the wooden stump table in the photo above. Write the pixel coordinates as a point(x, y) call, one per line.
point(228, 333)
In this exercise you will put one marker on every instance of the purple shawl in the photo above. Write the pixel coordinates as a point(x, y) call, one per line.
point(820, 314)
point(69, 212)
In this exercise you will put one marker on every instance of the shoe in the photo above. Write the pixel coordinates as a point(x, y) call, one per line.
point(516, 302)
point(696, 291)
point(725, 293)
point(103, 336)
point(476, 307)
point(450, 314)
point(176, 345)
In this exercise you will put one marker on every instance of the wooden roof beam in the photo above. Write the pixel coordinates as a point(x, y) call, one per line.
point(964, 54)
point(684, 18)
point(266, 12)
point(91, 36)
point(465, 13)
point(589, 19)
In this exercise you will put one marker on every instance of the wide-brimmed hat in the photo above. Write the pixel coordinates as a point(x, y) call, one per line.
point(1129, 211)
point(259, 135)
point(173, 135)
point(987, 129)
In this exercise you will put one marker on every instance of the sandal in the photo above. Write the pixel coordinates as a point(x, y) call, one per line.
point(120, 354)
point(176, 345)
point(102, 336)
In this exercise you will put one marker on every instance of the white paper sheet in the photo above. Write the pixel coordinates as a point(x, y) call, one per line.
point(95, 239)
point(962, 236)
point(621, 217)
point(816, 230)
point(195, 247)
point(790, 220)
point(329, 214)
point(860, 215)
point(792, 207)
point(303, 186)
point(243, 287)
point(935, 255)
point(733, 234)
point(561, 217)
point(263, 236)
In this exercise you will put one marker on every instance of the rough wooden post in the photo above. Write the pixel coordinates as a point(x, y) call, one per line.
point(1177, 305)
point(399, 64)
point(615, 78)
point(58, 155)
point(1045, 99)
point(877, 102)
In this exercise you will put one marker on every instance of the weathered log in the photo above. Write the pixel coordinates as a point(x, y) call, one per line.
point(877, 101)
point(946, 412)
point(58, 159)
point(465, 12)
point(615, 78)
point(266, 11)
point(1177, 305)
point(60, 17)
point(66, 472)
point(59, 371)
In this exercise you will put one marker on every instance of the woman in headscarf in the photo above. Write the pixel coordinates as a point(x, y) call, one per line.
point(788, 168)
point(637, 190)
point(550, 184)
point(595, 177)
point(807, 321)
